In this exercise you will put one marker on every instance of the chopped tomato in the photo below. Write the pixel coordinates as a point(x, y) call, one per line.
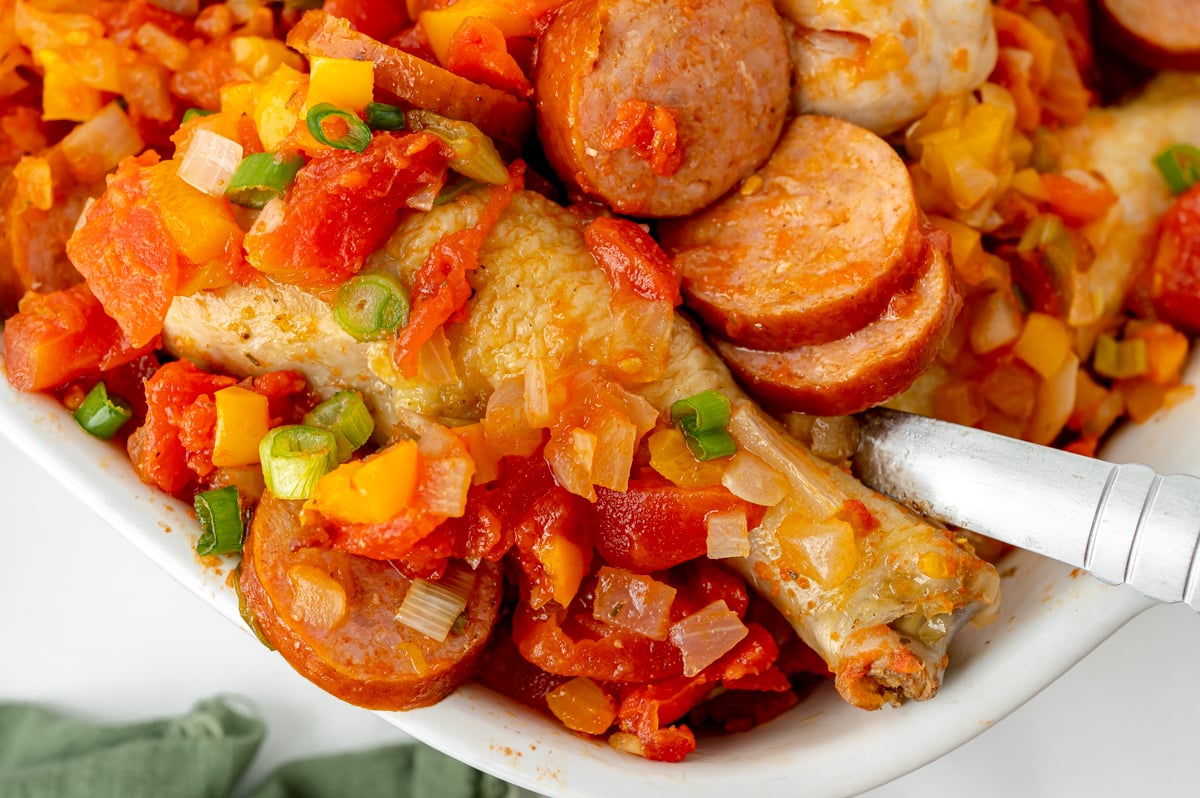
point(342, 205)
point(62, 335)
point(379, 19)
point(440, 290)
point(632, 260)
point(478, 51)
point(1175, 270)
point(651, 131)
point(174, 447)
point(554, 548)
point(655, 525)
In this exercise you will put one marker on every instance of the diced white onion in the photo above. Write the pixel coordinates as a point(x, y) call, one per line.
point(705, 636)
point(436, 441)
point(94, 148)
point(617, 437)
point(811, 486)
point(83, 212)
point(728, 535)
point(210, 161)
point(537, 395)
point(431, 608)
point(638, 603)
point(269, 218)
point(504, 422)
point(445, 485)
point(423, 199)
point(435, 363)
point(752, 480)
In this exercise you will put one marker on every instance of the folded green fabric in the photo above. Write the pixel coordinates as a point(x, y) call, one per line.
point(204, 754)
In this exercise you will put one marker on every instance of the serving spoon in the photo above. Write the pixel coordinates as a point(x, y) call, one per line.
point(1122, 523)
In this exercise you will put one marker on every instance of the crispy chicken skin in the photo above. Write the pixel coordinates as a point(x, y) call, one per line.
point(883, 628)
point(881, 64)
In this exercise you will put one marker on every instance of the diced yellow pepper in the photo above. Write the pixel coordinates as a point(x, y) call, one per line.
point(258, 57)
point(243, 418)
point(1044, 343)
point(440, 24)
point(201, 225)
point(370, 491)
point(343, 82)
point(238, 99)
point(275, 113)
point(563, 561)
point(671, 457)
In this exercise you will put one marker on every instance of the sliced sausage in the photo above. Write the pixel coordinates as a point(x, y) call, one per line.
point(719, 69)
point(332, 617)
point(811, 248)
point(1164, 34)
point(415, 81)
point(866, 367)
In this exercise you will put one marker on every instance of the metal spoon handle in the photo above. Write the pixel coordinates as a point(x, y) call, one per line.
point(1123, 523)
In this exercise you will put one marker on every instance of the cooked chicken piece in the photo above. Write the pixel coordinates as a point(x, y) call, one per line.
point(882, 64)
point(1120, 143)
point(882, 622)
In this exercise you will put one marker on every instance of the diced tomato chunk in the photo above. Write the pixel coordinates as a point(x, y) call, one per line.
point(632, 260)
point(379, 19)
point(1175, 271)
point(62, 335)
point(341, 207)
point(478, 52)
point(655, 525)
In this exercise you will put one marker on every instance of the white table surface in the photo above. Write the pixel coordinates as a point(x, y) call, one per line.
point(89, 624)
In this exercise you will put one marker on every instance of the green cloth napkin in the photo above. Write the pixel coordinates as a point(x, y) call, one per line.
point(46, 754)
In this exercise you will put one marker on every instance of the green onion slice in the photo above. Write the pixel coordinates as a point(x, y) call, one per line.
point(102, 415)
point(371, 306)
point(704, 419)
point(294, 457)
point(219, 512)
point(262, 177)
point(346, 416)
point(448, 193)
point(475, 155)
point(1179, 166)
point(711, 445)
point(193, 113)
point(356, 137)
point(1120, 359)
point(381, 116)
point(705, 412)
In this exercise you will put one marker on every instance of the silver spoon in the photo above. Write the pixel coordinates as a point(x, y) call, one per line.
point(1123, 523)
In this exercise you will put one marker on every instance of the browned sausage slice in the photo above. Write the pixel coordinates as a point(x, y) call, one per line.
point(1159, 33)
point(332, 617)
point(505, 118)
point(720, 67)
point(811, 248)
point(866, 367)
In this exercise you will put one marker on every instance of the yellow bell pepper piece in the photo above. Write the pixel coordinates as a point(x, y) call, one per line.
point(258, 57)
point(370, 491)
point(201, 225)
point(563, 560)
point(242, 420)
point(342, 82)
point(275, 114)
point(512, 17)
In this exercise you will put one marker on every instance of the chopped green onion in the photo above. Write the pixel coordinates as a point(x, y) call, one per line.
point(704, 419)
point(261, 177)
point(475, 155)
point(102, 415)
point(193, 113)
point(371, 306)
point(381, 116)
point(704, 412)
point(1120, 359)
point(346, 416)
point(711, 445)
point(356, 137)
point(1179, 166)
point(219, 512)
point(294, 457)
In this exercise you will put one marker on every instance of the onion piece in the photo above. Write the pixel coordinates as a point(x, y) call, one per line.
point(617, 438)
point(435, 363)
point(504, 422)
point(728, 535)
point(538, 411)
point(705, 636)
point(317, 597)
point(445, 484)
point(94, 148)
point(210, 161)
point(431, 608)
point(752, 480)
point(638, 603)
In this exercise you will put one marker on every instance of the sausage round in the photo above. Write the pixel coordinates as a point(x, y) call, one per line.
point(866, 367)
point(721, 68)
point(366, 657)
point(1158, 33)
point(812, 247)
